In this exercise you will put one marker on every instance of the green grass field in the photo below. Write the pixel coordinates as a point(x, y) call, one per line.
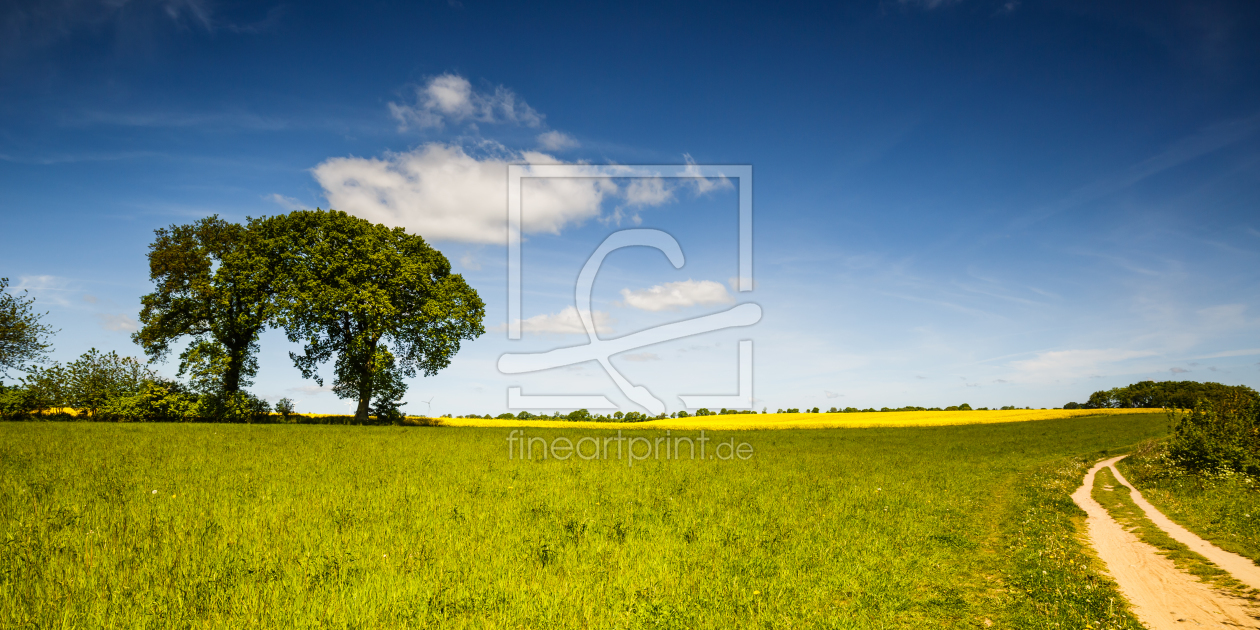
point(165, 525)
point(1224, 509)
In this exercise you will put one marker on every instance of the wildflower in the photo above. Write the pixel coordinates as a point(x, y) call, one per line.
point(756, 592)
point(155, 492)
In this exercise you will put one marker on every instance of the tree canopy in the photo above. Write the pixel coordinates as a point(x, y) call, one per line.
point(215, 286)
point(380, 300)
point(1157, 394)
point(24, 338)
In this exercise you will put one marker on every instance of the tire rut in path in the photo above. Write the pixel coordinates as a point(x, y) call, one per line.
point(1163, 597)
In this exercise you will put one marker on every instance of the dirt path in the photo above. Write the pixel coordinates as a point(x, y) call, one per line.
point(1162, 596)
point(1243, 569)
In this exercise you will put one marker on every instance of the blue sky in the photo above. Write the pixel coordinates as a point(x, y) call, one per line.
point(999, 203)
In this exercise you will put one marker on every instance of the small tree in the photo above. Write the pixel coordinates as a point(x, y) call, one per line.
point(94, 379)
point(24, 339)
point(285, 407)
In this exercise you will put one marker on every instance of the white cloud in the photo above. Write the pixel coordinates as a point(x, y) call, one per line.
point(566, 322)
point(556, 141)
point(1178, 370)
point(702, 185)
point(643, 356)
point(442, 193)
point(451, 98)
point(470, 262)
point(648, 191)
point(1230, 353)
point(1070, 363)
point(118, 323)
point(288, 203)
point(675, 295)
point(830, 394)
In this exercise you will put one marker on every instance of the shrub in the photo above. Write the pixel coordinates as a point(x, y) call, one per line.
point(234, 407)
point(15, 403)
point(1221, 433)
point(157, 400)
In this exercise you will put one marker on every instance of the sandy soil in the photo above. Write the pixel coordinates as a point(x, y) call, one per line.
point(1162, 596)
point(1242, 568)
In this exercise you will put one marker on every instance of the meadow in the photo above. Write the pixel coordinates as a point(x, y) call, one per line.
point(305, 526)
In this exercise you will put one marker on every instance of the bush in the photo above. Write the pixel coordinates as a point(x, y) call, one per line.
point(15, 403)
point(235, 407)
point(1220, 434)
point(158, 400)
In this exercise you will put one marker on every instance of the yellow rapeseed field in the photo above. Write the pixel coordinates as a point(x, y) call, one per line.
point(808, 420)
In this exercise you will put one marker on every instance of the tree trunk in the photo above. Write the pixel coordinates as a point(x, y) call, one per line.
point(232, 376)
point(367, 373)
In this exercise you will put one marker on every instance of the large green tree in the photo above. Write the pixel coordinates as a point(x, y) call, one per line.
point(24, 339)
point(381, 301)
point(214, 285)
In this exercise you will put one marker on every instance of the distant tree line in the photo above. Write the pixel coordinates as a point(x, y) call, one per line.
point(378, 303)
point(1156, 395)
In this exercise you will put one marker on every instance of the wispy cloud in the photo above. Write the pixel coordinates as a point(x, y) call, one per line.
point(556, 141)
point(675, 295)
point(1070, 363)
point(1194, 146)
point(288, 203)
point(468, 261)
point(702, 185)
point(118, 322)
point(34, 25)
point(450, 98)
point(47, 289)
point(566, 322)
point(1229, 353)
